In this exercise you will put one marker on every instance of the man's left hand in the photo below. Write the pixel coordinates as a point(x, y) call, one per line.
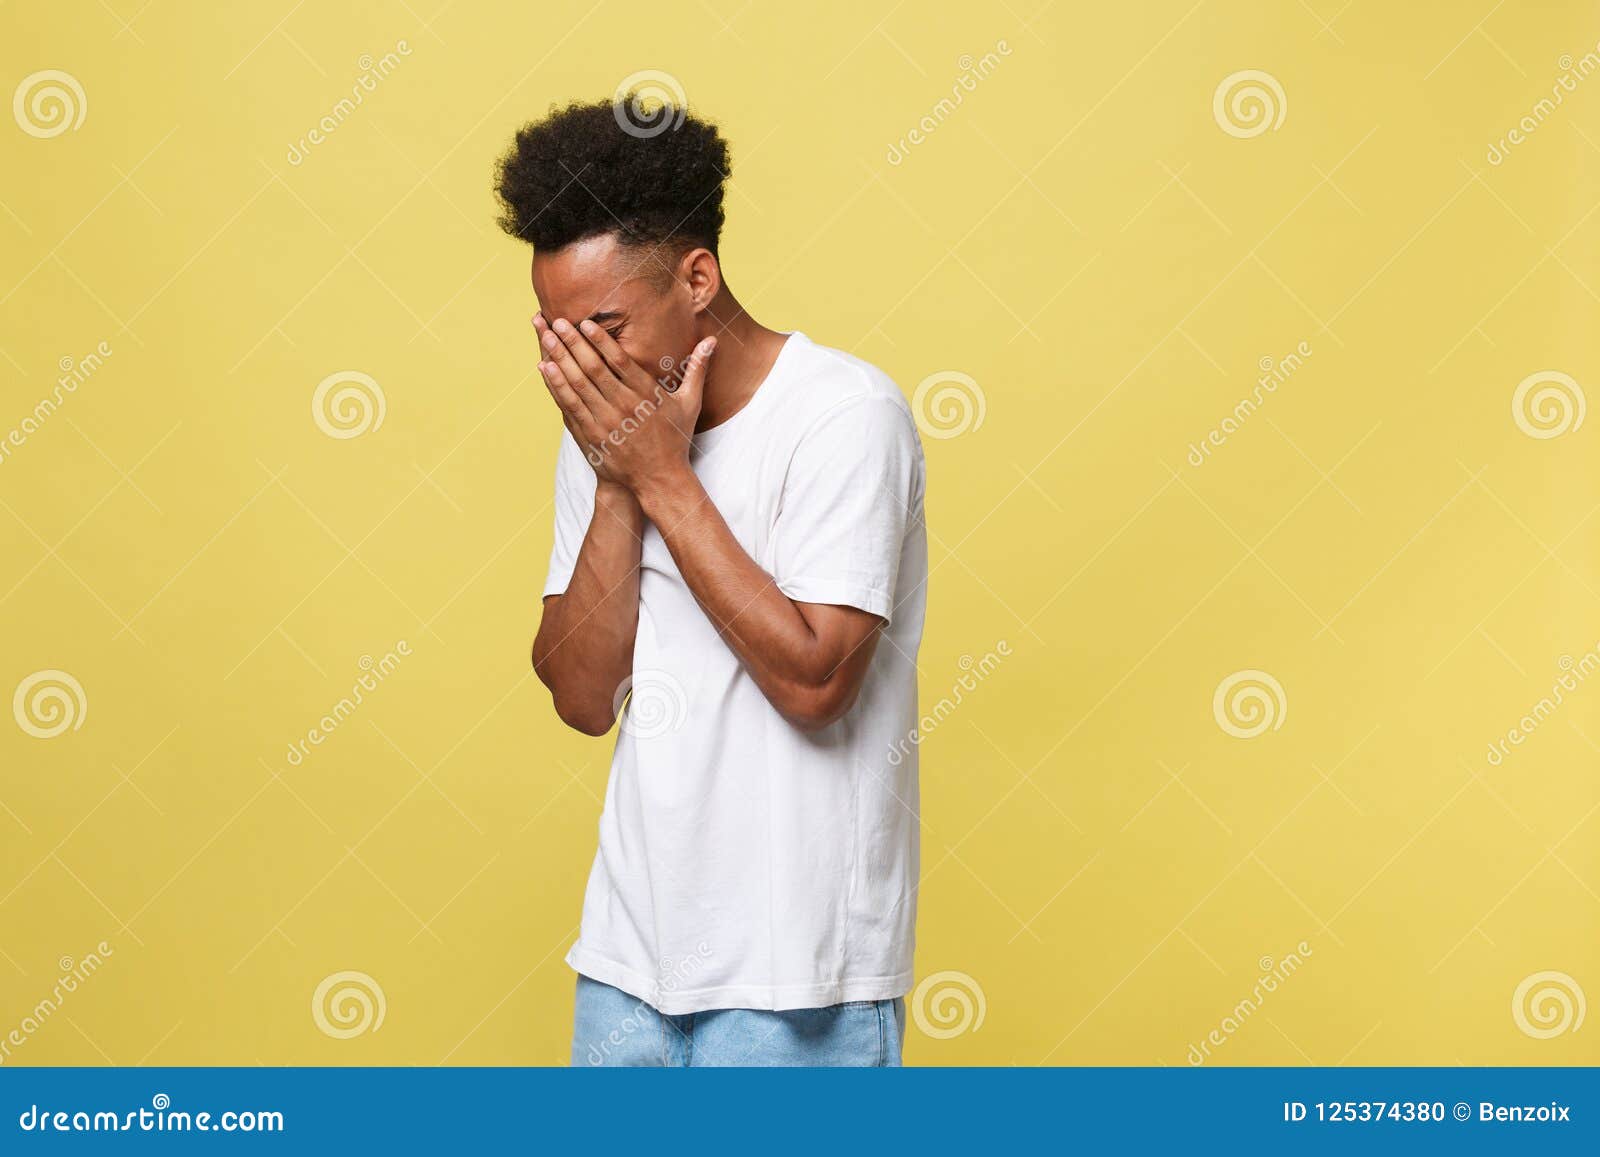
point(639, 424)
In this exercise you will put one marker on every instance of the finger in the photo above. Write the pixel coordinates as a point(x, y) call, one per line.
point(561, 394)
point(581, 440)
point(694, 370)
point(593, 366)
point(589, 449)
point(610, 352)
point(573, 412)
point(560, 357)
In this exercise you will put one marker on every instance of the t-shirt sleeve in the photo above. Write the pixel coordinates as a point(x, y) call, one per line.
point(853, 486)
point(574, 507)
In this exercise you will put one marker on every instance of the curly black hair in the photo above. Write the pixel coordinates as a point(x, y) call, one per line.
point(590, 169)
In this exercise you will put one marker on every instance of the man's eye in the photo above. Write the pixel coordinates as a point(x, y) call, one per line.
point(614, 334)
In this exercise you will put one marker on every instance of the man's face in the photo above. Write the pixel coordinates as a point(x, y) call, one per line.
point(621, 290)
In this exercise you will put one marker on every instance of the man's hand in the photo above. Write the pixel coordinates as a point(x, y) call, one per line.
point(634, 428)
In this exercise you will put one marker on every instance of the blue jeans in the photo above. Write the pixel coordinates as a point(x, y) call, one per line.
point(611, 1028)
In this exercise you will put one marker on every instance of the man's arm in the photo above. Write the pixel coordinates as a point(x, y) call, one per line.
point(584, 649)
point(809, 659)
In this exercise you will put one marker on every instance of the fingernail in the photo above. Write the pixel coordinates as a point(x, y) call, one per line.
point(708, 347)
point(587, 326)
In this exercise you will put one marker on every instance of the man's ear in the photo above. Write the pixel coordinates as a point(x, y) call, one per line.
point(701, 275)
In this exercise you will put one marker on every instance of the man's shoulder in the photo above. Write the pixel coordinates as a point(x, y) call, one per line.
point(833, 379)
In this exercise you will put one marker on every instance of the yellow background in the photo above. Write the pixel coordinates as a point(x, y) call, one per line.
point(1082, 238)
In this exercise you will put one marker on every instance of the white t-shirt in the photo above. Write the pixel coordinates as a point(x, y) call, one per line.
point(744, 863)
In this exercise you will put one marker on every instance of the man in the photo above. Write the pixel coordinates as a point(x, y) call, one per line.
point(740, 551)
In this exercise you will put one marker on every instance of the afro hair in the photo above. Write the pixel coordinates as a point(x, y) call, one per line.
point(591, 169)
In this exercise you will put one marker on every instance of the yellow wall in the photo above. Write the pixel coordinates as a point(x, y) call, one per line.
point(1081, 236)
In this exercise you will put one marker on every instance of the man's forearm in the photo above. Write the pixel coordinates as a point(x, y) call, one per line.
point(584, 648)
point(807, 676)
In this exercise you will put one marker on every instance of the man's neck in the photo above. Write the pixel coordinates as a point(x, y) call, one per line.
point(746, 351)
